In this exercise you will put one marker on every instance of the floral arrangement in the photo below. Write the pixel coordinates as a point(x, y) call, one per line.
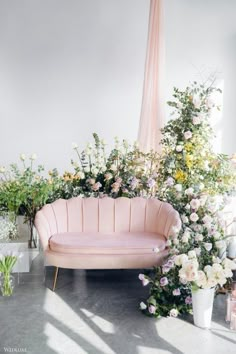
point(197, 182)
point(124, 171)
point(24, 190)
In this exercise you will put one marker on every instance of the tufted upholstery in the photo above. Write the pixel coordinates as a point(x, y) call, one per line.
point(105, 233)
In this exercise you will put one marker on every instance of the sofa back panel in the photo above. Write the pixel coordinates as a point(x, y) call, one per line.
point(106, 215)
point(138, 214)
point(152, 220)
point(75, 214)
point(60, 211)
point(173, 220)
point(167, 217)
point(122, 214)
point(49, 214)
point(90, 215)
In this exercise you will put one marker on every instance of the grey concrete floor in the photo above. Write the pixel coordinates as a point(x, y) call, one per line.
point(96, 312)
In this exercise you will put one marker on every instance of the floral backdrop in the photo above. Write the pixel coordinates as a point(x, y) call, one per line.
point(188, 174)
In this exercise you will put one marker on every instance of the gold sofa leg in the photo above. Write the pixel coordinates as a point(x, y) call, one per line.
point(55, 279)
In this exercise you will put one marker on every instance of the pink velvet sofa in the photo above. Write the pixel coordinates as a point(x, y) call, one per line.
point(105, 233)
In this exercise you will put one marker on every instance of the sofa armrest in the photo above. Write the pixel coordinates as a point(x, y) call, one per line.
point(170, 222)
point(43, 229)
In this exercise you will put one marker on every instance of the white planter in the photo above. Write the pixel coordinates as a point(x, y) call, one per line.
point(202, 300)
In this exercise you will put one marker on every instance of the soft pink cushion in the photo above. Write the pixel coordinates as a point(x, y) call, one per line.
point(106, 243)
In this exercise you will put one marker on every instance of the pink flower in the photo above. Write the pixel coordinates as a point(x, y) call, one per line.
point(143, 279)
point(188, 300)
point(163, 281)
point(188, 135)
point(96, 186)
point(170, 181)
point(115, 187)
point(196, 120)
point(194, 217)
point(152, 309)
point(108, 176)
point(176, 292)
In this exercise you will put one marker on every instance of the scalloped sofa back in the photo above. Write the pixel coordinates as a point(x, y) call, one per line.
point(105, 233)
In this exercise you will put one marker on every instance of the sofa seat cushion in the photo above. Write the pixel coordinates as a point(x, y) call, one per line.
point(106, 243)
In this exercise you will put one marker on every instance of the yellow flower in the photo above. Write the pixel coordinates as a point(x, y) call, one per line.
point(188, 147)
point(189, 161)
point(180, 176)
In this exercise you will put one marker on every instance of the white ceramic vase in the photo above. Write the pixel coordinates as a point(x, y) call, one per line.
point(202, 301)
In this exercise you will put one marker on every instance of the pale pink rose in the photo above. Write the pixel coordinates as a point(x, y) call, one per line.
point(108, 176)
point(179, 148)
point(141, 276)
point(170, 181)
point(195, 204)
point(152, 309)
point(194, 217)
point(119, 180)
point(188, 300)
point(115, 187)
point(188, 135)
point(196, 120)
point(163, 281)
point(176, 292)
point(91, 181)
point(96, 186)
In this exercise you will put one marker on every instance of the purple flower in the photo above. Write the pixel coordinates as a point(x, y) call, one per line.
point(152, 309)
point(188, 300)
point(151, 183)
point(165, 269)
point(176, 292)
point(163, 281)
point(170, 263)
point(170, 181)
point(133, 183)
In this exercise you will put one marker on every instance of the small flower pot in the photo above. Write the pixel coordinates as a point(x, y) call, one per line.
point(202, 300)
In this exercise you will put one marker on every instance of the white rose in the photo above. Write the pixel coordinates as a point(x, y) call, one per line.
point(2, 169)
point(188, 135)
point(143, 306)
point(74, 146)
point(185, 239)
point(179, 148)
point(187, 206)
point(173, 313)
point(156, 250)
point(194, 217)
point(184, 219)
point(198, 237)
point(183, 258)
point(81, 175)
point(113, 167)
point(192, 254)
point(168, 243)
point(197, 251)
point(208, 246)
point(178, 187)
point(189, 191)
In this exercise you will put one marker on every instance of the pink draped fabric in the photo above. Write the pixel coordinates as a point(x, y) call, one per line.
point(153, 102)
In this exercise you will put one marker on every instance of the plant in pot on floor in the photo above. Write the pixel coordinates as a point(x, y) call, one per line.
point(196, 181)
point(7, 281)
point(24, 191)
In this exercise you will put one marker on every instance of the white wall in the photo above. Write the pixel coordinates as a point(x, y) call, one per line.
point(72, 67)
point(69, 68)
